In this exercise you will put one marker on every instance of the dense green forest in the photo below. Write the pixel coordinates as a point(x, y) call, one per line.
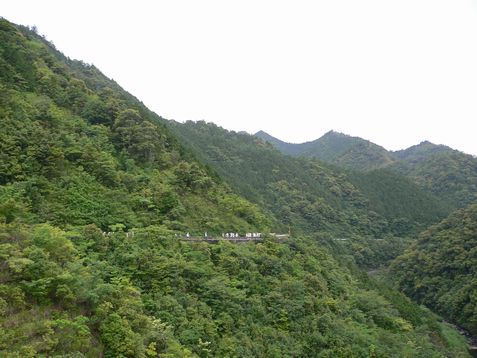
point(442, 171)
point(95, 193)
point(399, 198)
point(337, 148)
point(439, 270)
point(375, 213)
point(84, 293)
point(76, 150)
point(439, 170)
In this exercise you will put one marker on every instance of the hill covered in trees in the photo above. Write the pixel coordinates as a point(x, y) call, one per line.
point(79, 292)
point(372, 211)
point(76, 150)
point(439, 170)
point(336, 148)
point(447, 173)
point(95, 193)
point(440, 269)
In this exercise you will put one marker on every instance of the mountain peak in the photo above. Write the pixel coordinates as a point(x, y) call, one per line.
point(268, 137)
point(337, 148)
point(426, 143)
point(333, 132)
point(421, 151)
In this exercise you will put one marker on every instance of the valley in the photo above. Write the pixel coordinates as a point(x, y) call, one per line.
point(125, 234)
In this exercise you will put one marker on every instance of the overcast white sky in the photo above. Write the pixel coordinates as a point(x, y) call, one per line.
point(394, 72)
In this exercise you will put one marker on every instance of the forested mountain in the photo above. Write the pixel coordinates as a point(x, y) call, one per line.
point(398, 198)
point(297, 191)
point(421, 152)
point(337, 148)
point(77, 150)
point(440, 269)
point(65, 293)
point(441, 171)
point(95, 192)
point(447, 173)
point(287, 148)
point(314, 197)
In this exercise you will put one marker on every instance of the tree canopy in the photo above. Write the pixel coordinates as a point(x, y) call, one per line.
point(95, 193)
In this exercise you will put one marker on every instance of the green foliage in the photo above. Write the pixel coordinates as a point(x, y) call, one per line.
point(154, 295)
point(444, 172)
point(337, 148)
point(80, 156)
point(403, 203)
point(439, 269)
point(96, 111)
point(141, 139)
point(371, 213)
point(305, 193)
point(52, 301)
point(84, 151)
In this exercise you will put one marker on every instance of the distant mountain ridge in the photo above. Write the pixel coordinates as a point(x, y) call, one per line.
point(259, 171)
point(421, 151)
point(333, 146)
point(337, 148)
point(439, 169)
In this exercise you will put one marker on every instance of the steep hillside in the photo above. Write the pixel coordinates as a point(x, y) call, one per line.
point(84, 294)
point(313, 197)
point(399, 199)
point(316, 196)
point(440, 269)
point(447, 173)
point(95, 192)
point(337, 148)
point(76, 150)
